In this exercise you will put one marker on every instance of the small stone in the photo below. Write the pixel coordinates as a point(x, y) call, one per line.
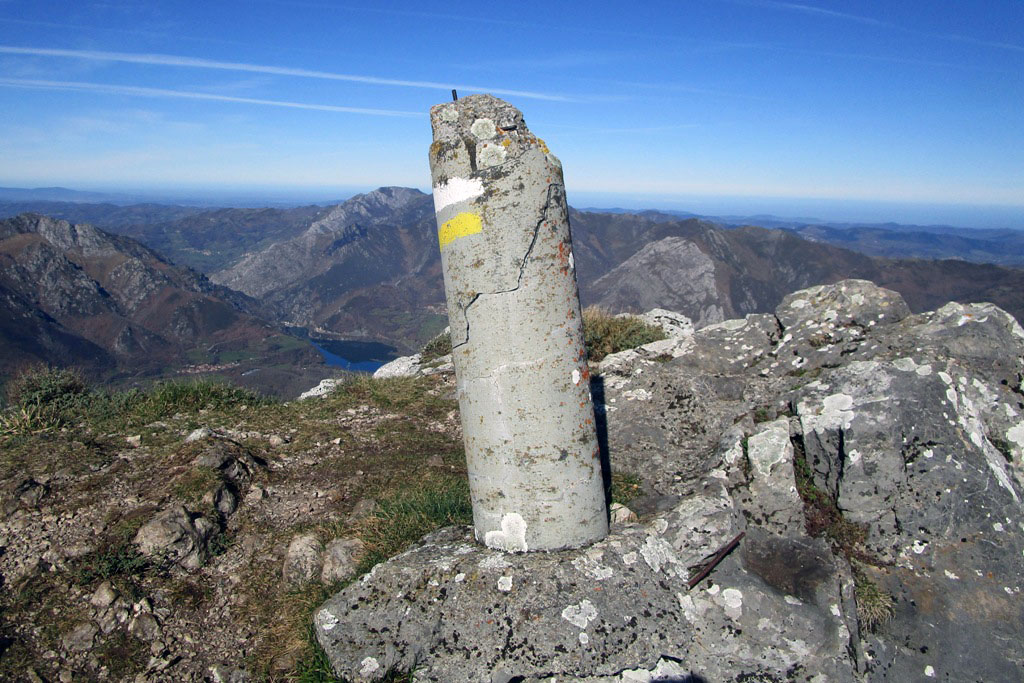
point(81, 637)
point(620, 514)
point(302, 562)
point(201, 433)
point(104, 596)
point(363, 509)
point(255, 495)
point(276, 440)
point(134, 441)
point(341, 557)
point(145, 627)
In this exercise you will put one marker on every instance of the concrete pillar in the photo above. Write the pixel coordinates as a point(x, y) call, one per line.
point(517, 335)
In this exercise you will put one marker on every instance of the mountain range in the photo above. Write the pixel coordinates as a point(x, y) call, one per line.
point(368, 269)
point(77, 295)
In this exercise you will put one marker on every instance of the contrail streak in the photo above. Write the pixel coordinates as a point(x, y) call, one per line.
point(159, 92)
point(197, 63)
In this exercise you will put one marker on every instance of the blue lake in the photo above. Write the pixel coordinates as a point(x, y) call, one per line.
point(356, 356)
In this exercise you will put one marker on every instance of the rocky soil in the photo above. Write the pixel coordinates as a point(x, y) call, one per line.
point(195, 546)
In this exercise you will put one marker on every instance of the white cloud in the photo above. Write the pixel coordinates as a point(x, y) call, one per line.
point(198, 63)
point(182, 94)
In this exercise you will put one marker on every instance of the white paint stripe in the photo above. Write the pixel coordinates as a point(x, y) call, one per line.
point(456, 190)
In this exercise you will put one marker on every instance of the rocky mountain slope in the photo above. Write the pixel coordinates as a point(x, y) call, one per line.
point(711, 274)
point(78, 294)
point(870, 458)
point(369, 268)
point(832, 492)
point(1002, 247)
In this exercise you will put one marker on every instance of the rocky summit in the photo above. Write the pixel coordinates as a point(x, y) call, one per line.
point(828, 492)
point(831, 492)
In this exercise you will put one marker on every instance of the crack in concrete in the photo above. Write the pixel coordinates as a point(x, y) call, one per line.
point(522, 265)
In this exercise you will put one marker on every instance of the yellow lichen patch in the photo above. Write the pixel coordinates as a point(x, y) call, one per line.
point(460, 226)
point(543, 146)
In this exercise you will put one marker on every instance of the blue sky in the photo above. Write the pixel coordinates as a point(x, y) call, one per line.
point(708, 105)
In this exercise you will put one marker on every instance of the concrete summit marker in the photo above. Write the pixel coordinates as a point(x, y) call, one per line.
point(517, 335)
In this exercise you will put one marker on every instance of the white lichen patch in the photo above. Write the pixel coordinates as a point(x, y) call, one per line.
point(951, 575)
point(590, 564)
point(581, 614)
point(919, 546)
point(835, 413)
point(512, 535)
point(368, 666)
point(929, 671)
point(905, 364)
point(732, 601)
point(658, 555)
point(449, 113)
point(505, 584)
point(576, 376)
point(483, 129)
point(629, 558)
point(460, 577)
point(493, 562)
point(488, 154)
point(326, 620)
point(584, 638)
point(1015, 435)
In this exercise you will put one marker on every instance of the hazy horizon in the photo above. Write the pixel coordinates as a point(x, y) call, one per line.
point(826, 210)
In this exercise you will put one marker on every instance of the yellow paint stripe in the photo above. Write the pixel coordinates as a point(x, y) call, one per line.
point(460, 226)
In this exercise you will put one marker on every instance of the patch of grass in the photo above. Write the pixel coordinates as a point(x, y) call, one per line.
point(824, 518)
point(45, 399)
point(874, 606)
point(109, 562)
point(42, 384)
point(403, 518)
point(194, 484)
point(441, 345)
point(410, 395)
point(604, 333)
point(625, 487)
point(124, 655)
point(41, 398)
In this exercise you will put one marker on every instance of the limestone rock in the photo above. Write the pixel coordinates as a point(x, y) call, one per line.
point(674, 325)
point(197, 434)
point(912, 424)
point(81, 637)
point(104, 595)
point(341, 556)
point(405, 366)
point(325, 387)
point(178, 535)
point(620, 514)
point(303, 560)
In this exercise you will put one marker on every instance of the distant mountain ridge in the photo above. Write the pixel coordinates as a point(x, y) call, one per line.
point(77, 294)
point(369, 269)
